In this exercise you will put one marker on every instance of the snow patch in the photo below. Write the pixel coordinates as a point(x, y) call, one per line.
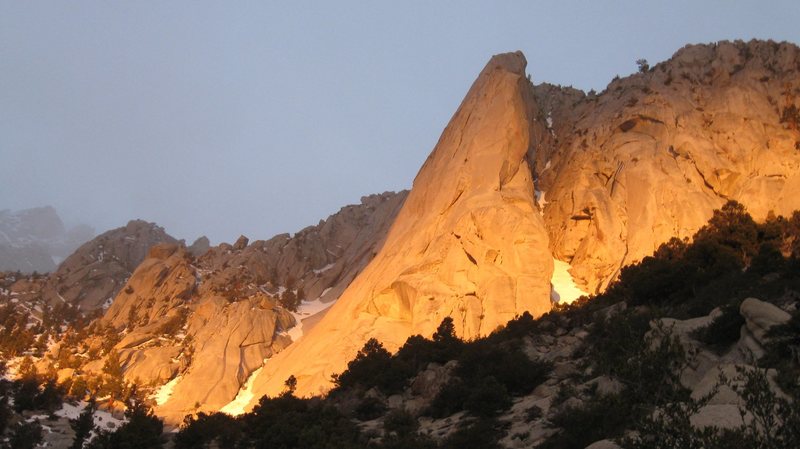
point(103, 420)
point(165, 392)
point(305, 310)
point(237, 406)
point(564, 290)
point(539, 194)
point(71, 411)
point(106, 421)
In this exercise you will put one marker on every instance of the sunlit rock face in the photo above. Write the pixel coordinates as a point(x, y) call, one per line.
point(213, 342)
point(469, 242)
point(656, 152)
point(202, 321)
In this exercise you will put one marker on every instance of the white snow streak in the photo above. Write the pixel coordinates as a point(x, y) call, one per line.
point(564, 290)
point(305, 310)
point(237, 406)
point(165, 392)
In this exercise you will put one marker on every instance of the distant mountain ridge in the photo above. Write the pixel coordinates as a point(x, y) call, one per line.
point(36, 239)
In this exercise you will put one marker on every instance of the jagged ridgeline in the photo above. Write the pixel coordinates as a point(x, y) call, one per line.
point(534, 194)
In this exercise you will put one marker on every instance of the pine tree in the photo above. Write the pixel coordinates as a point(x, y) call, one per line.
point(26, 435)
point(115, 381)
point(291, 385)
point(83, 425)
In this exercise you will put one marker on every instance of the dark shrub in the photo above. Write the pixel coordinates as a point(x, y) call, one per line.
point(487, 399)
point(723, 331)
point(599, 418)
point(203, 429)
point(372, 367)
point(370, 408)
point(481, 434)
point(400, 423)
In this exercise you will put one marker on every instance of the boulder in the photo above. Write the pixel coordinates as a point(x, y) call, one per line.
point(603, 444)
point(760, 316)
point(241, 243)
point(721, 416)
point(231, 341)
point(199, 247)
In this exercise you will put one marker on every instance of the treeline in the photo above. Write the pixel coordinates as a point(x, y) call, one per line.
point(730, 258)
point(486, 374)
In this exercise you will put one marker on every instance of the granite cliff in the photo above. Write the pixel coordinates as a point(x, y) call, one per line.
point(528, 187)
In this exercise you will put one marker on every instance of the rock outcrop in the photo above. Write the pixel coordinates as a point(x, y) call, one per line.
point(469, 242)
point(199, 321)
point(91, 277)
point(200, 246)
point(651, 157)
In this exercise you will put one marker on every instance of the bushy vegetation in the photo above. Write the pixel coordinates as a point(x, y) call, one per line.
point(724, 330)
point(375, 367)
point(24, 435)
point(729, 259)
point(725, 263)
point(773, 421)
point(480, 434)
point(203, 429)
point(488, 370)
point(600, 417)
point(141, 430)
point(783, 354)
point(282, 422)
point(488, 373)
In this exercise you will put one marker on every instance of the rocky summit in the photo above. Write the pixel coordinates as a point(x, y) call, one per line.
point(469, 243)
point(649, 158)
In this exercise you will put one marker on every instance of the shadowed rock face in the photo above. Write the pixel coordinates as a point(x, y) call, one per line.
point(469, 242)
point(96, 271)
point(653, 155)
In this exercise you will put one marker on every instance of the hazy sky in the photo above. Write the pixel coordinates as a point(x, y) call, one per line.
point(228, 118)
